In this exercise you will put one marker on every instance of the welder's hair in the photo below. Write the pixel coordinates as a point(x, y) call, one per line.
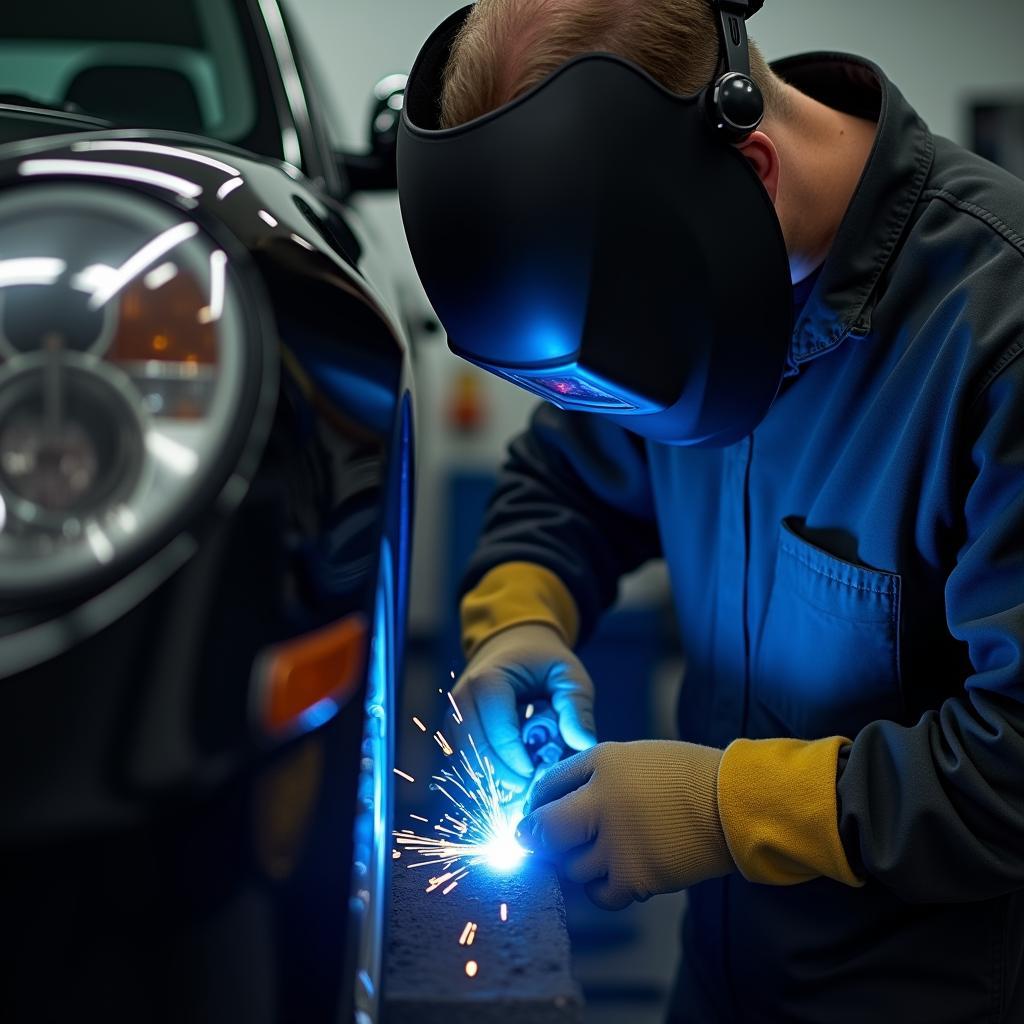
point(508, 46)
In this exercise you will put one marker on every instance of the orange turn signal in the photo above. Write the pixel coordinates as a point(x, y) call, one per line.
point(306, 680)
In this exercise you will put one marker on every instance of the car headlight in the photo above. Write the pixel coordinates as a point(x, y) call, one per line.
point(127, 372)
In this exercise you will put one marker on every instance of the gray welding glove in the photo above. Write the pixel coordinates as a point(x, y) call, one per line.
point(629, 820)
point(518, 665)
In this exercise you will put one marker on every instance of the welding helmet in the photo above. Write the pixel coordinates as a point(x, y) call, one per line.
point(600, 242)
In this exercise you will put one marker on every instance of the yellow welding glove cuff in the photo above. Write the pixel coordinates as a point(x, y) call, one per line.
point(514, 594)
point(779, 810)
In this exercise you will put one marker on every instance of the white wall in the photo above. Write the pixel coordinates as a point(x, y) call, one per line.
point(939, 52)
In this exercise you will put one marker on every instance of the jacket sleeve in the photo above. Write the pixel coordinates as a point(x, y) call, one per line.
point(936, 811)
point(571, 514)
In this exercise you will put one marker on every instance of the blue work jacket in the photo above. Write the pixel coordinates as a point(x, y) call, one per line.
point(854, 567)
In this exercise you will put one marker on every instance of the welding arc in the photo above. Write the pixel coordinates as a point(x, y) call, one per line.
point(485, 830)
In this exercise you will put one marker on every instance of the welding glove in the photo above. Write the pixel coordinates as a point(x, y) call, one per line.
point(520, 664)
point(630, 820)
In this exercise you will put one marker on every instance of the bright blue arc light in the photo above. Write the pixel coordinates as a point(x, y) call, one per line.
point(503, 852)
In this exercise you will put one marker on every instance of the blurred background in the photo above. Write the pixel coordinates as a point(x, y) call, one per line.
point(959, 64)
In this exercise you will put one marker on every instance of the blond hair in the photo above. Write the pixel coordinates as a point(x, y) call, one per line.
point(508, 46)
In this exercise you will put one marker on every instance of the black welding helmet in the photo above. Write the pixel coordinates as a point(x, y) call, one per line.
point(600, 242)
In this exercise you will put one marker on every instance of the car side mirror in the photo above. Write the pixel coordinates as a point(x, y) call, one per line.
point(377, 170)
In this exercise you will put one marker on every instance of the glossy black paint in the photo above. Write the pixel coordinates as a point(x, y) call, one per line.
point(20, 122)
point(161, 858)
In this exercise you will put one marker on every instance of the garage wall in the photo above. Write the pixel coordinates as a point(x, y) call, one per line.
point(939, 52)
point(935, 50)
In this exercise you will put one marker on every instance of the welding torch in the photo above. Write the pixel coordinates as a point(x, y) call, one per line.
point(543, 741)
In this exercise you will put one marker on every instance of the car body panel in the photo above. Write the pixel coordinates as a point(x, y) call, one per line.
point(166, 856)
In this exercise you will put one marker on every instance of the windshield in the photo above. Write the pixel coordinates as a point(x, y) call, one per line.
point(184, 66)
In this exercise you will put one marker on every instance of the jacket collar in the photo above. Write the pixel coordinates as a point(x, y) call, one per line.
point(843, 299)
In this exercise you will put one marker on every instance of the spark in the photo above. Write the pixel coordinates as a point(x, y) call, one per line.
point(479, 827)
point(457, 714)
point(419, 817)
point(436, 882)
point(396, 854)
point(468, 934)
point(419, 725)
point(471, 968)
point(451, 877)
point(403, 775)
point(504, 911)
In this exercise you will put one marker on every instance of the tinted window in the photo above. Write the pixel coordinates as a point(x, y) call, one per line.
point(186, 65)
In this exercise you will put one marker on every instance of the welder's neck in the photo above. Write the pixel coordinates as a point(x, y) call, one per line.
point(823, 153)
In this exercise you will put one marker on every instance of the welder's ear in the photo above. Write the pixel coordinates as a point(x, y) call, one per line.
point(761, 154)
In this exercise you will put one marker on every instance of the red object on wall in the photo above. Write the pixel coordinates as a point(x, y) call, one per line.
point(467, 408)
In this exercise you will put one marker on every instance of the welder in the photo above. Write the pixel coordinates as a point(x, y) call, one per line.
point(780, 329)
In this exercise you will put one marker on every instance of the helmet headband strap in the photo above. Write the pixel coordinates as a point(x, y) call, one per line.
point(732, 28)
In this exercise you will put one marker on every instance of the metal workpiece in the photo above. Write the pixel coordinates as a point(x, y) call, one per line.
point(521, 968)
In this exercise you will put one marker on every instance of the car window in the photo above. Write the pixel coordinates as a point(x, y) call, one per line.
point(183, 66)
point(314, 80)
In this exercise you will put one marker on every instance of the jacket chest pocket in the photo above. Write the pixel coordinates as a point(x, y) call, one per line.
point(828, 658)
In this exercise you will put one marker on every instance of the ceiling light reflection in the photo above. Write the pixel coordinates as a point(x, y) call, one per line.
point(116, 145)
point(30, 270)
point(175, 456)
point(93, 278)
point(218, 269)
point(100, 543)
point(289, 76)
point(228, 187)
point(392, 83)
point(145, 257)
point(121, 172)
point(156, 279)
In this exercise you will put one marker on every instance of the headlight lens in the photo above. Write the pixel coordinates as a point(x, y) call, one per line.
point(123, 360)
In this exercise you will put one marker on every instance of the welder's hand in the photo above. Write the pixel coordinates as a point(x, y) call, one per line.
point(518, 665)
point(629, 820)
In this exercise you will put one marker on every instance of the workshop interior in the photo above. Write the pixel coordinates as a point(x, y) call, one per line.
point(269, 323)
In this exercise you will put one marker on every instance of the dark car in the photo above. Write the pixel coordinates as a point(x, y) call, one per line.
point(205, 474)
